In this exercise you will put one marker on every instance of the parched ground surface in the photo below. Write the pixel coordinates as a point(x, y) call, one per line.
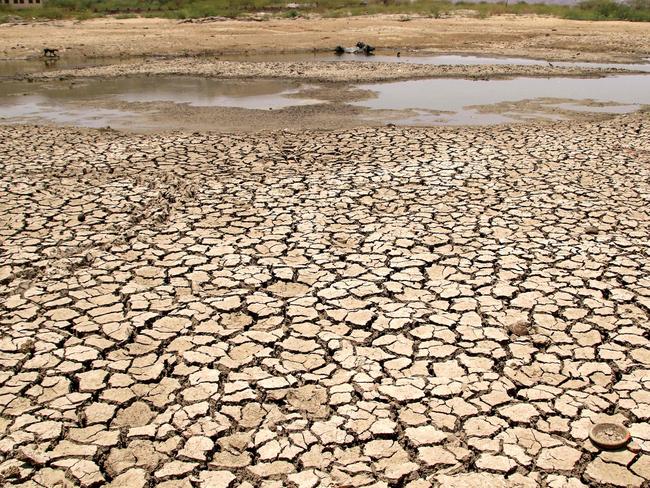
point(511, 35)
point(382, 307)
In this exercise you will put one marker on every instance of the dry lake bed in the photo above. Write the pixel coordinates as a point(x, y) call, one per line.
point(233, 305)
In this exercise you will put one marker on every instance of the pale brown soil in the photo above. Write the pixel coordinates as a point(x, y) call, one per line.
point(383, 307)
point(549, 38)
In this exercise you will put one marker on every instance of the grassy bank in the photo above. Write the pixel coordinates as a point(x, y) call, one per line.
point(634, 10)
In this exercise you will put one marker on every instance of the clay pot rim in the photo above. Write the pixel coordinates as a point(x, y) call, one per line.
point(593, 435)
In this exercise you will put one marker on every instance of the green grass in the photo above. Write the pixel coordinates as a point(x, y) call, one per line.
point(634, 10)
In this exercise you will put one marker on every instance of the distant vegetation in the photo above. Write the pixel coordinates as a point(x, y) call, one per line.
point(632, 10)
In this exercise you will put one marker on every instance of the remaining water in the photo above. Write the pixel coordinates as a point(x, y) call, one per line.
point(115, 102)
point(77, 102)
point(623, 93)
point(205, 92)
point(12, 68)
point(438, 60)
point(33, 110)
point(17, 67)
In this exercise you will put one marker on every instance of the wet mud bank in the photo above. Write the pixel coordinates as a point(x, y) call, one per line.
point(321, 71)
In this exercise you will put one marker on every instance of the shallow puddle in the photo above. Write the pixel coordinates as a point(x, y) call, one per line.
point(206, 92)
point(83, 103)
point(156, 102)
point(33, 109)
point(194, 91)
point(468, 102)
point(12, 68)
point(17, 67)
point(437, 60)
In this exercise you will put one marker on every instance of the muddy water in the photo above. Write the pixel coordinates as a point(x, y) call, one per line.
point(12, 68)
point(493, 101)
point(254, 94)
point(204, 92)
point(154, 102)
point(16, 67)
point(438, 60)
point(116, 102)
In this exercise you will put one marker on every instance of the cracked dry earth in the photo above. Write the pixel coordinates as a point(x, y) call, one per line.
point(382, 307)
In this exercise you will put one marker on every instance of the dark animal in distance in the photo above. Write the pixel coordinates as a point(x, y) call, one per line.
point(50, 53)
point(360, 48)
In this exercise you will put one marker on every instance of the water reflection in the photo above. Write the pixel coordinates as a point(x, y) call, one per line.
point(459, 97)
point(115, 102)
